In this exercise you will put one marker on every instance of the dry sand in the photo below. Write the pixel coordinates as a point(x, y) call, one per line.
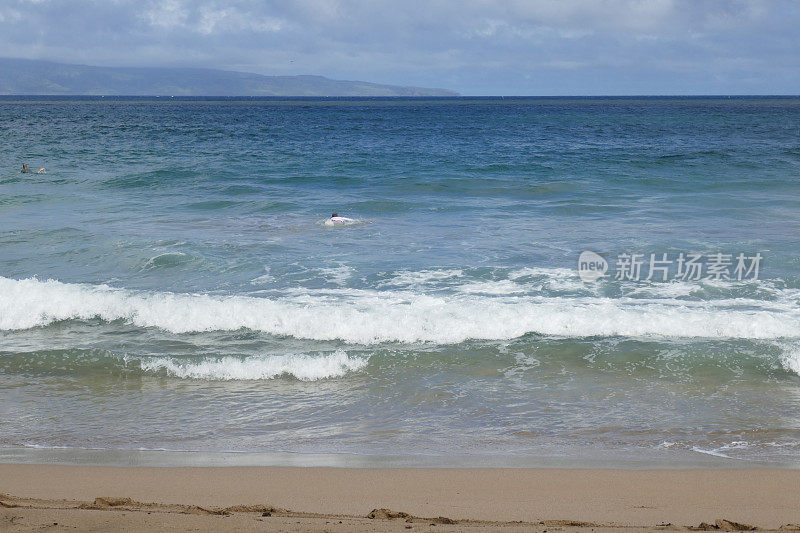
point(87, 498)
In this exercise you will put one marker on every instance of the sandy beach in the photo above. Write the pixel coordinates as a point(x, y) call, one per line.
point(83, 498)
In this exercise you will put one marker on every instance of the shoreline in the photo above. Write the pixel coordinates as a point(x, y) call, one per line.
point(454, 499)
point(612, 460)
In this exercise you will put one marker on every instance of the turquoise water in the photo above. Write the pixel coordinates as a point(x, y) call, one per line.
point(170, 284)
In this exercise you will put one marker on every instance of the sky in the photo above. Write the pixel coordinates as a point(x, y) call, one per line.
point(544, 47)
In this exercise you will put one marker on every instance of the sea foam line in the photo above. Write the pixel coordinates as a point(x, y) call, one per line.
point(368, 316)
point(301, 366)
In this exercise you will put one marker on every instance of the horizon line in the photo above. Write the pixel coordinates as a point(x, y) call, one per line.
point(409, 97)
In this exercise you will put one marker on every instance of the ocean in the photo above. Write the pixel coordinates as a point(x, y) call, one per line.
point(170, 285)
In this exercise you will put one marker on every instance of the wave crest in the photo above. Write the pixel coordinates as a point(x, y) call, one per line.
point(301, 366)
point(369, 316)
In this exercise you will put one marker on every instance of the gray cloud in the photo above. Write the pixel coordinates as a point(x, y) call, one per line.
point(477, 47)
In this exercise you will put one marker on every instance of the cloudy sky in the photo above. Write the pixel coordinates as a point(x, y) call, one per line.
point(544, 47)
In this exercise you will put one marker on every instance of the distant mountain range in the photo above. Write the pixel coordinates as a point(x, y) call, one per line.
point(28, 77)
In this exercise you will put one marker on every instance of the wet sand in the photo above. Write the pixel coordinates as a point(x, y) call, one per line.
point(84, 498)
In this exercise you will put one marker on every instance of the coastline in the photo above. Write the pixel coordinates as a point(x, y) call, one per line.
point(454, 499)
point(588, 459)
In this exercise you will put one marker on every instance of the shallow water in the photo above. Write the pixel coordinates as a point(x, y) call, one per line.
point(169, 283)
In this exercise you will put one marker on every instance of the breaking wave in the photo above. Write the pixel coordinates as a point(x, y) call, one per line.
point(301, 366)
point(369, 316)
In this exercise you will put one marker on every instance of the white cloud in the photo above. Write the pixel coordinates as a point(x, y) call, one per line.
point(10, 15)
point(213, 20)
point(166, 14)
point(478, 44)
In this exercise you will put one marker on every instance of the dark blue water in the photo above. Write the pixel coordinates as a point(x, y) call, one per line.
point(174, 262)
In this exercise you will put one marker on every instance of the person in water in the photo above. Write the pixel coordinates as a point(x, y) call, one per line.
point(26, 170)
point(336, 219)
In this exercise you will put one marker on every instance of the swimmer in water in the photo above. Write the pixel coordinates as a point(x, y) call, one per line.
point(336, 219)
point(26, 170)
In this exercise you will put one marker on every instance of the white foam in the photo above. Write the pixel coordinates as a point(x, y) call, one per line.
point(790, 358)
point(263, 279)
point(368, 316)
point(337, 275)
point(405, 278)
point(491, 287)
point(558, 273)
point(673, 289)
point(561, 279)
point(522, 363)
point(301, 366)
point(715, 453)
